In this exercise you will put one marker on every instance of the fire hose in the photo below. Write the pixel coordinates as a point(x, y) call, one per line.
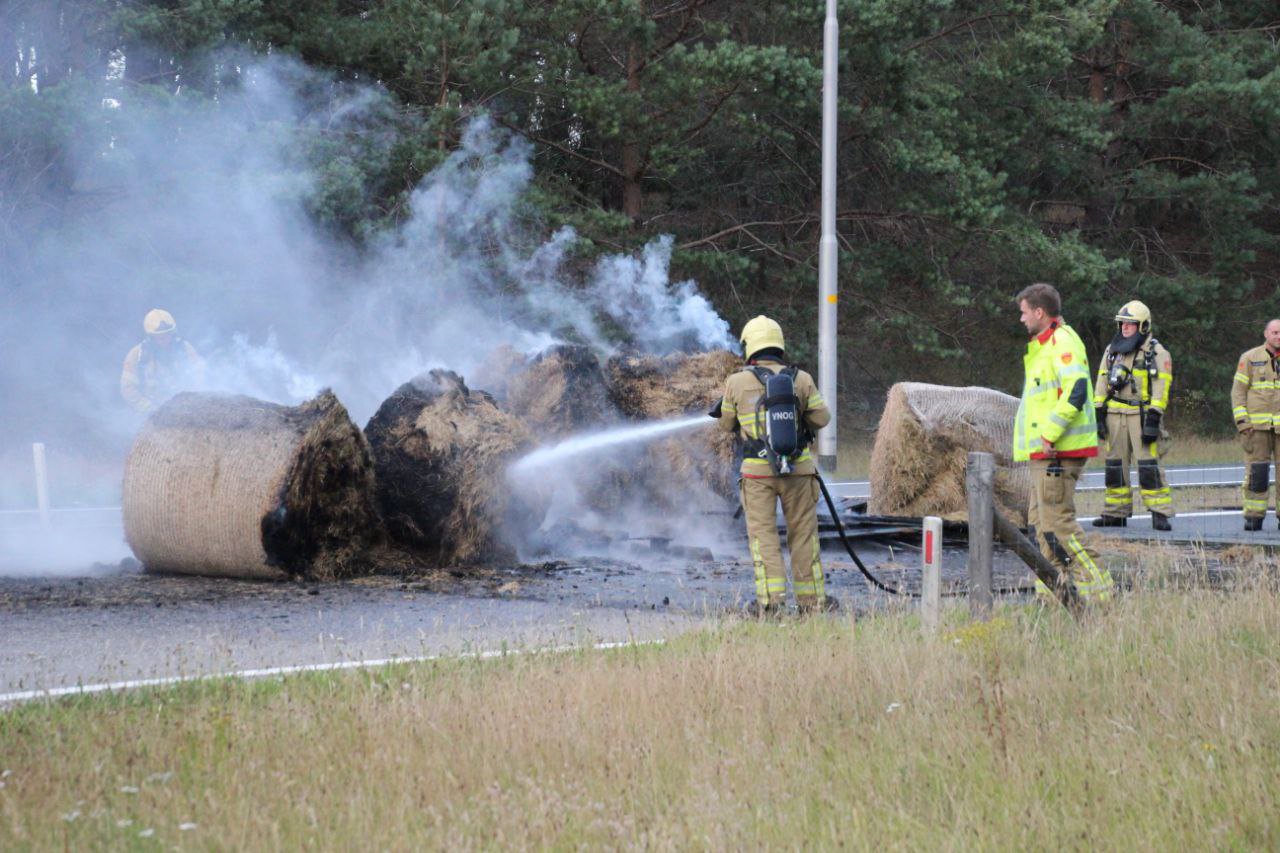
point(1006, 532)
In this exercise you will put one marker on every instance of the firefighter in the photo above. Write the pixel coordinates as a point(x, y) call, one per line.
point(1131, 395)
point(1056, 433)
point(161, 366)
point(765, 480)
point(1255, 406)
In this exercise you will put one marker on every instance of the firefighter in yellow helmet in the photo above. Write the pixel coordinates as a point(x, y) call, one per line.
point(1255, 406)
point(1056, 434)
point(769, 474)
point(1131, 395)
point(161, 366)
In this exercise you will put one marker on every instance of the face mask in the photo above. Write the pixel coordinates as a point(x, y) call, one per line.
point(1121, 345)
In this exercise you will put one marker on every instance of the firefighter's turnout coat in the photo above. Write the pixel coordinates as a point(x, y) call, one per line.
point(1151, 377)
point(761, 490)
point(1255, 393)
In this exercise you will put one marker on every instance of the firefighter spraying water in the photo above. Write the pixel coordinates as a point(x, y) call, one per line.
point(776, 408)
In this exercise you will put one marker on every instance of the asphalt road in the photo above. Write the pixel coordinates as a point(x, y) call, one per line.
point(127, 625)
point(75, 610)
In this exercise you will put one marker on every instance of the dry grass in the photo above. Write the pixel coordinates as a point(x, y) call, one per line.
point(853, 459)
point(1198, 450)
point(1149, 726)
point(1185, 499)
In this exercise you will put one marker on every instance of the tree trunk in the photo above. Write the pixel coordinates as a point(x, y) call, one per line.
point(632, 154)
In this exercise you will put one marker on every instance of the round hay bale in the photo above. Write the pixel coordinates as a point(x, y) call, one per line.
point(922, 446)
point(441, 453)
point(646, 387)
point(653, 388)
point(227, 485)
point(560, 391)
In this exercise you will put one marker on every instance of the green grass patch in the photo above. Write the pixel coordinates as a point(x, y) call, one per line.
point(1149, 725)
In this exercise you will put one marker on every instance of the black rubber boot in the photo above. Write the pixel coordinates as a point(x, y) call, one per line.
point(1253, 524)
point(1160, 522)
point(829, 605)
point(756, 610)
point(1110, 521)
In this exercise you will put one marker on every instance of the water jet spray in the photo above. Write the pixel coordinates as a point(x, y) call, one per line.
point(593, 441)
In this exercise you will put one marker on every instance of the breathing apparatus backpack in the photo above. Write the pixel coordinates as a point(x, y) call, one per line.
point(778, 415)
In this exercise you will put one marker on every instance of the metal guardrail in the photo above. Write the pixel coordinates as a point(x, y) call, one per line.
point(1093, 481)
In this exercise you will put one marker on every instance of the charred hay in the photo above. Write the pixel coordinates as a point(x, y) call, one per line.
point(657, 388)
point(441, 453)
point(231, 486)
point(922, 446)
point(560, 391)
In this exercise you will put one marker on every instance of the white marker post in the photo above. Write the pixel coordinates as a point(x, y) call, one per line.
point(42, 482)
point(931, 573)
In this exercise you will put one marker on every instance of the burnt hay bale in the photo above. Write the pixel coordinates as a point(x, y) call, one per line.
point(230, 486)
point(655, 388)
point(922, 447)
point(646, 387)
point(560, 391)
point(441, 453)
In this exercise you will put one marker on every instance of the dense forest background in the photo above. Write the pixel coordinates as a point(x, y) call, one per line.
point(1118, 148)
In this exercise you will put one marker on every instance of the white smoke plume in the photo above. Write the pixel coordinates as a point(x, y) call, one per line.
point(200, 207)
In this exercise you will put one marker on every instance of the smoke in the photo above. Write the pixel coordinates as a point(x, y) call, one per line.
point(222, 211)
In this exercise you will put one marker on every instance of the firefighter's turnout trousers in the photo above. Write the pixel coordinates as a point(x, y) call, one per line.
point(1261, 447)
point(1052, 515)
point(799, 495)
point(1124, 442)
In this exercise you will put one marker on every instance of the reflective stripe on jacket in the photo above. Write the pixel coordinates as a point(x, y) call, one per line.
point(742, 392)
point(1055, 362)
point(1255, 392)
point(1136, 395)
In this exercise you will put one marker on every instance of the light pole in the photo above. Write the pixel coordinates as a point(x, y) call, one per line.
point(828, 286)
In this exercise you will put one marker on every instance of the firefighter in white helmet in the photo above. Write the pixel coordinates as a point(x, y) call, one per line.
point(1131, 395)
point(776, 469)
point(161, 366)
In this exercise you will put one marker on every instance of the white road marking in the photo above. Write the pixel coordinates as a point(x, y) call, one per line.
point(1205, 514)
point(268, 672)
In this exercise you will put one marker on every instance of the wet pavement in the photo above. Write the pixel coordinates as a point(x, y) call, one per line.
point(123, 624)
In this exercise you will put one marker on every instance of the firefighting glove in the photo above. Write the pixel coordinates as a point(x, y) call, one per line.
point(1151, 426)
point(717, 409)
point(1102, 422)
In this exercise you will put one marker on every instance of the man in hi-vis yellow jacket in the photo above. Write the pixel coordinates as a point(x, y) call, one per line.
point(1056, 433)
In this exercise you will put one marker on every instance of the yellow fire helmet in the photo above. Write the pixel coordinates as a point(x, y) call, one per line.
point(761, 333)
point(1135, 312)
point(158, 322)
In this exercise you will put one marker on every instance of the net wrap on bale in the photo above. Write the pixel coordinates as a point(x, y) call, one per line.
point(922, 447)
point(227, 485)
point(441, 453)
